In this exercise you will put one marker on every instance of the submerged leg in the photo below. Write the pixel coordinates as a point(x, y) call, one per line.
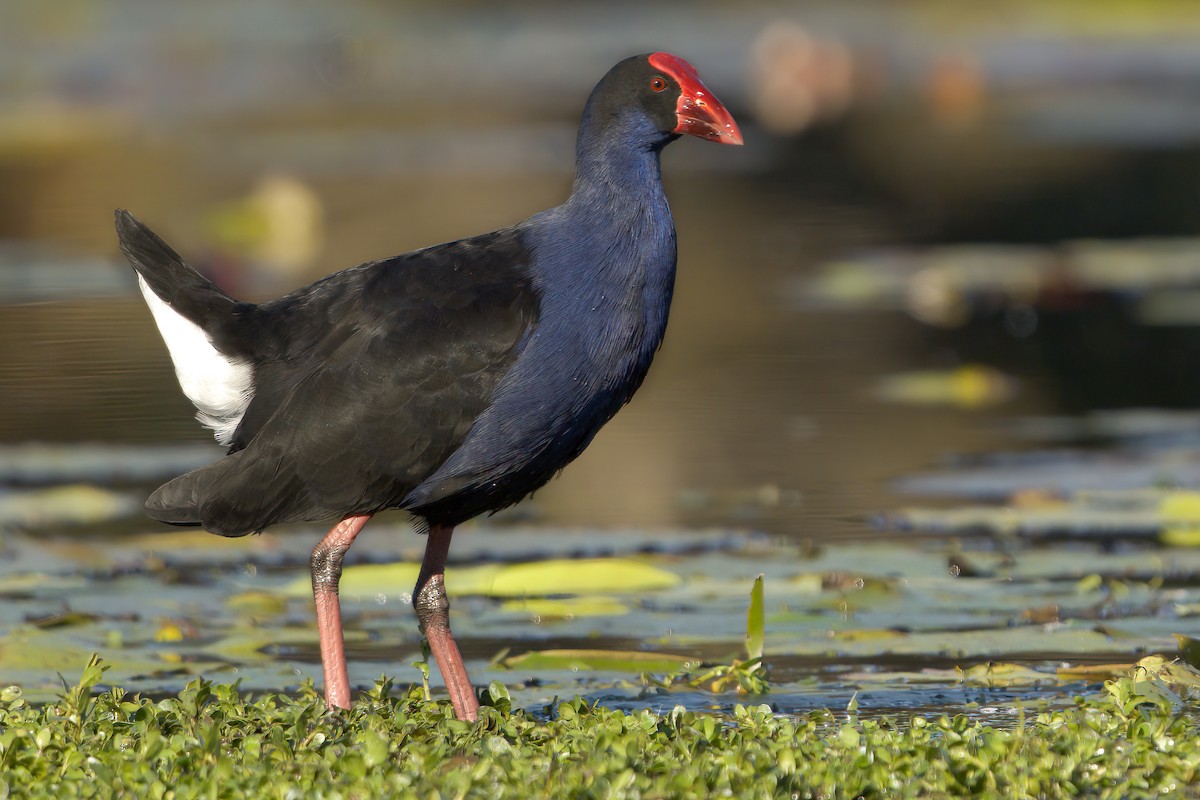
point(433, 612)
point(326, 564)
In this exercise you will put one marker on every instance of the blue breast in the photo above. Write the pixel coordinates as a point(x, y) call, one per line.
point(606, 281)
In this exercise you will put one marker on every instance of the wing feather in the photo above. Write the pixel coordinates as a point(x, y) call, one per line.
point(365, 384)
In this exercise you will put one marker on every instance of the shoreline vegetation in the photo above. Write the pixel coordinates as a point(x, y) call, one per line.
point(1137, 738)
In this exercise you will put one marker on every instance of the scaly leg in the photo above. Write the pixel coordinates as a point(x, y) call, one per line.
point(433, 613)
point(326, 564)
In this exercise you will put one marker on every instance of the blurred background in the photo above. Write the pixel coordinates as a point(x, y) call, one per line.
point(955, 229)
point(273, 143)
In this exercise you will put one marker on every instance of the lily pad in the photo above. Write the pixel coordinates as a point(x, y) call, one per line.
point(535, 579)
point(1180, 515)
point(598, 660)
point(28, 651)
point(174, 541)
point(251, 645)
point(369, 580)
point(29, 582)
point(1171, 516)
point(582, 576)
point(75, 504)
point(568, 607)
point(1092, 672)
point(257, 603)
point(1099, 474)
point(1056, 640)
point(991, 674)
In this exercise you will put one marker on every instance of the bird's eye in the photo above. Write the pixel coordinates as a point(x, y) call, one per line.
point(658, 83)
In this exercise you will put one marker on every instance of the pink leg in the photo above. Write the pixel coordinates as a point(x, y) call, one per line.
point(433, 612)
point(326, 564)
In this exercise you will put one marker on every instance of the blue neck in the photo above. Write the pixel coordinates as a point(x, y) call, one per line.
point(604, 263)
point(610, 263)
point(617, 163)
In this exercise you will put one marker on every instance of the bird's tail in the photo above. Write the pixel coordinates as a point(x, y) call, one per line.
point(189, 499)
point(242, 493)
point(175, 282)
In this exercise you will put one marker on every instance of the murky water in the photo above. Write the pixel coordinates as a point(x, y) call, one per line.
point(799, 406)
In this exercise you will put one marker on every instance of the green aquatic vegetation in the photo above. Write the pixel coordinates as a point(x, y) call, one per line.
point(885, 609)
point(214, 741)
point(1166, 683)
point(746, 675)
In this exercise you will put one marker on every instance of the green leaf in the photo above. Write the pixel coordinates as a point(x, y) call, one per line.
point(755, 620)
point(498, 696)
point(373, 746)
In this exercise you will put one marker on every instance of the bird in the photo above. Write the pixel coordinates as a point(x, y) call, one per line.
point(450, 381)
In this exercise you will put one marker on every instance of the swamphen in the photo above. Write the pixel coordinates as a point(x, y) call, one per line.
point(449, 381)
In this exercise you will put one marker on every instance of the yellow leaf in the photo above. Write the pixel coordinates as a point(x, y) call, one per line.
point(534, 579)
point(1180, 514)
point(1003, 675)
point(255, 602)
point(194, 539)
point(1092, 672)
point(366, 581)
point(579, 576)
point(1189, 649)
point(867, 634)
point(169, 632)
point(568, 607)
point(605, 660)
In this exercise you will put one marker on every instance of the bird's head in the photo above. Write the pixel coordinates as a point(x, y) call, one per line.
point(666, 91)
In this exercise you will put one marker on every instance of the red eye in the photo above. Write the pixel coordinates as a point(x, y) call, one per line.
point(658, 83)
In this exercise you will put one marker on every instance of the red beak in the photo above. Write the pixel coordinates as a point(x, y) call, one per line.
point(699, 112)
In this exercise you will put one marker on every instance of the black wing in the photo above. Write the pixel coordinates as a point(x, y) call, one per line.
point(365, 383)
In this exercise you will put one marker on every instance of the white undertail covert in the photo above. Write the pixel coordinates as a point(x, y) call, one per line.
point(219, 387)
